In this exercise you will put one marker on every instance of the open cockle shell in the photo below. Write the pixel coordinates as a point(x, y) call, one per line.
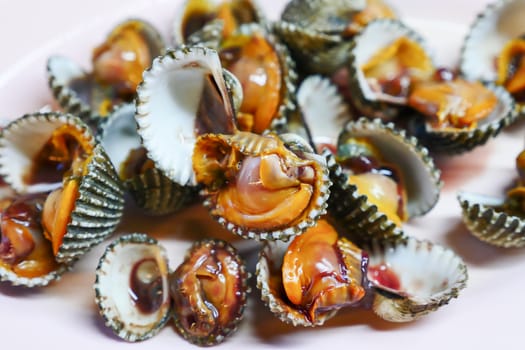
point(116, 299)
point(374, 37)
point(421, 179)
point(241, 11)
point(183, 94)
point(459, 140)
point(413, 278)
point(267, 74)
point(485, 218)
point(225, 165)
point(205, 261)
point(151, 190)
point(99, 206)
point(76, 89)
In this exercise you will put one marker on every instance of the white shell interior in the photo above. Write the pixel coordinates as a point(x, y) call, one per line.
point(167, 107)
point(323, 109)
point(21, 142)
point(420, 182)
point(374, 37)
point(486, 200)
point(120, 135)
point(64, 69)
point(500, 22)
point(425, 270)
point(113, 287)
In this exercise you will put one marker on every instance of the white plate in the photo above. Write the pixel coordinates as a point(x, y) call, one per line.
point(487, 314)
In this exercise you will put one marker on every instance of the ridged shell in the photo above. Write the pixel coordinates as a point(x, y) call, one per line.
point(375, 36)
point(455, 140)
point(62, 72)
point(112, 287)
point(99, 207)
point(323, 109)
point(167, 107)
point(495, 227)
point(152, 191)
point(430, 275)
point(268, 265)
point(7, 275)
point(287, 69)
point(253, 145)
point(421, 179)
point(251, 6)
point(219, 335)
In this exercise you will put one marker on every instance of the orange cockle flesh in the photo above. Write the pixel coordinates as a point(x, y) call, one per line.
point(266, 194)
point(375, 9)
point(317, 275)
point(122, 58)
point(23, 248)
point(457, 103)
point(255, 62)
point(511, 66)
point(207, 290)
point(394, 68)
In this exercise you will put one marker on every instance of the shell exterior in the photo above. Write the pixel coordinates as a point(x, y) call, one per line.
point(98, 209)
point(151, 190)
point(429, 276)
point(323, 109)
point(455, 140)
point(236, 266)
point(484, 221)
point(376, 35)
point(422, 181)
point(167, 108)
point(112, 287)
point(248, 8)
point(269, 265)
point(75, 89)
point(252, 145)
point(287, 67)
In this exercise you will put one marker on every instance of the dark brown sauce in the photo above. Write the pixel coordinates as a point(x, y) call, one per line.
point(195, 22)
point(145, 286)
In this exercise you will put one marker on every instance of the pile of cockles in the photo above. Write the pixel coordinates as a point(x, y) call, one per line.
point(311, 136)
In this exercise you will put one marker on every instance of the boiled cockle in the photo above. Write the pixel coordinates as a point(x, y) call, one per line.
point(308, 280)
point(266, 73)
point(257, 187)
point(209, 292)
point(85, 202)
point(117, 66)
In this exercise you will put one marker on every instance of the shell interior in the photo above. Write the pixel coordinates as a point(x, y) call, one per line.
point(168, 108)
point(498, 23)
point(112, 287)
point(427, 276)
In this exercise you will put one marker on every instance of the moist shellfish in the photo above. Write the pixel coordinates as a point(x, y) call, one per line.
point(259, 186)
point(381, 179)
point(85, 201)
point(305, 282)
point(117, 66)
point(137, 294)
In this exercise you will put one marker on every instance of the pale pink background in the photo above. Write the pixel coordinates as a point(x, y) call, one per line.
point(488, 313)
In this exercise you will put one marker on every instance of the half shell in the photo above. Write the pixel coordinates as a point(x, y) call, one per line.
point(150, 188)
point(92, 191)
point(413, 278)
point(260, 187)
point(420, 179)
point(85, 93)
point(183, 95)
point(382, 46)
point(131, 287)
